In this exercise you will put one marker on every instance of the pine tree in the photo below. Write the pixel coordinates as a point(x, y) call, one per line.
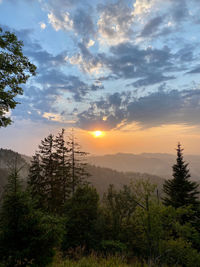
point(47, 165)
point(78, 173)
point(27, 237)
point(81, 212)
point(180, 191)
point(57, 170)
point(36, 180)
point(62, 169)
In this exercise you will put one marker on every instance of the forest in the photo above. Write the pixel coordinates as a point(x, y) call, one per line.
point(57, 218)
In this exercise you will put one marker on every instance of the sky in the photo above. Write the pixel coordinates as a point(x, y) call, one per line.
point(130, 68)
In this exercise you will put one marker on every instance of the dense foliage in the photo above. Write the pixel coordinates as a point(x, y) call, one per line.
point(27, 236)
point(15, 69)
point(56, 171)
point(59, 214)
point(180, 191)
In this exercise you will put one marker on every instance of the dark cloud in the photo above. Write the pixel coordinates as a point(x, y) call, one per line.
point(194, 70)
point(83, 24)
point(43, 58)
point(186, 54)
point(59, 82)
point(51, 89)
point(154, 78)
point(155, 109)
point(105, 113)
point(50, 84)
point(152, 26)
point(70, 15)
point(34, 50)
point(129, 61)
point(87, 61)
point(114, 25)
point(179, 10)
point(62, 3)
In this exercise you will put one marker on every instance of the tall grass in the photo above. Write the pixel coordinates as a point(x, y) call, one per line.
point(95, 261)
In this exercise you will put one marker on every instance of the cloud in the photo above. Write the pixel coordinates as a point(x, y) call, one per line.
point(142, 7)
point(63, 22)
point(144, 65)
point(72, 16)
point(155, 109)
point(83, 24)
point(152, 26)
point(90, 43)
point(125, 61)
point(179, 10)
point(65, 4)
point(52, 89)
point(87, 62)
point(157, 18)
point(154, 78)
point(59, 118)
point(114, 24)
point(52, 95)
point(105, 113)
point(195, 70)
point(119, 46)
point(43, 25)
point(130, 61)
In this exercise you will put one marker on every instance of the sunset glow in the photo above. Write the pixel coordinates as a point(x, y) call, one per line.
point(128, 87)
point(97, 134)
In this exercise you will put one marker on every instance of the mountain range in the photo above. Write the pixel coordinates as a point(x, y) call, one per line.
point(100, 177)
point(118, 169)
point(152, 163)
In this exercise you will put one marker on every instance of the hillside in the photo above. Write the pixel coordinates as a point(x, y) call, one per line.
point(100, 177)
point(152, 163)
point(8, 159)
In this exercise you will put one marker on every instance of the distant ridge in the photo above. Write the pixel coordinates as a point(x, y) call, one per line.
point(159, 164)
point(100, 177)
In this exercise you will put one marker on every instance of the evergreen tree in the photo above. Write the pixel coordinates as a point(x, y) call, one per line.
point(57, 170)
point(35, 180)
point(27, 237)
point(119, 206)
point(62, 169)
point(78, 173)
point(180, 191)
point(47, 184)
point(81, 212)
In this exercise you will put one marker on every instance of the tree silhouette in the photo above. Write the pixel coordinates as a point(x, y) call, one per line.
point(180, 191)
point(15, 69)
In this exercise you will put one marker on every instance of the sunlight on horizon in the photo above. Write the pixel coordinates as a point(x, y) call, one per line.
point(98, 134)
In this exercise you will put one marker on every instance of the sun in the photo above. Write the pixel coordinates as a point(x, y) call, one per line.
point(97, 134)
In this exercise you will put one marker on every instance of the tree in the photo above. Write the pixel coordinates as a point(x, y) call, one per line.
point(161, 239)
point(77, 174)
point(47, 164)
point(27, 237)
point(35, 180)
point(180, 191)
point(56, 171)
point(42, 177)
point(15, 69)
point(119, 207)
point(81, 212)
point(62, 167)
